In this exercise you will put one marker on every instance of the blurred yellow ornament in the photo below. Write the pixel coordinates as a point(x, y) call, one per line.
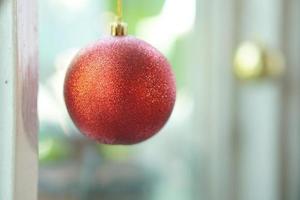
point(253, 61)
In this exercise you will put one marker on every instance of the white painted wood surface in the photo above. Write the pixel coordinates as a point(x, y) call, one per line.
point(240, 122)
point(259, 108)
point(18, 100)
point(290, 136)
point(213, 85)
point(222, 107)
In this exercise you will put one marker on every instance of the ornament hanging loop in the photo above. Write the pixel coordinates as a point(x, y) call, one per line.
point(119, 28)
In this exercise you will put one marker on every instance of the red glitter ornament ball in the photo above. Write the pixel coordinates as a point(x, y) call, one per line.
point(119, 90)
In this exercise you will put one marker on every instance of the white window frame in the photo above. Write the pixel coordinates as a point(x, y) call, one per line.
point(18, 100)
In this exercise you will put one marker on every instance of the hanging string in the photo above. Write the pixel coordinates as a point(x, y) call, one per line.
point(119, 10)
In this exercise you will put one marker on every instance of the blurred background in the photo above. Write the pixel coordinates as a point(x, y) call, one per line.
point(235, 129)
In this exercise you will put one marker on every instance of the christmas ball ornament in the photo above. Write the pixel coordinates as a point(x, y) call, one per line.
point(119, 90)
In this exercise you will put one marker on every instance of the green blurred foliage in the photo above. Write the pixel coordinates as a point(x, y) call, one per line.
point(114, 152)
point(136, 10)
point(52, 150)
point(53, 145)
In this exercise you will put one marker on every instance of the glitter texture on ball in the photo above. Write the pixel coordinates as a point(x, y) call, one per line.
point(119, 90)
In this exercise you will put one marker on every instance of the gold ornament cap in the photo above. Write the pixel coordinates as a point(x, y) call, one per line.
point(119, 29)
